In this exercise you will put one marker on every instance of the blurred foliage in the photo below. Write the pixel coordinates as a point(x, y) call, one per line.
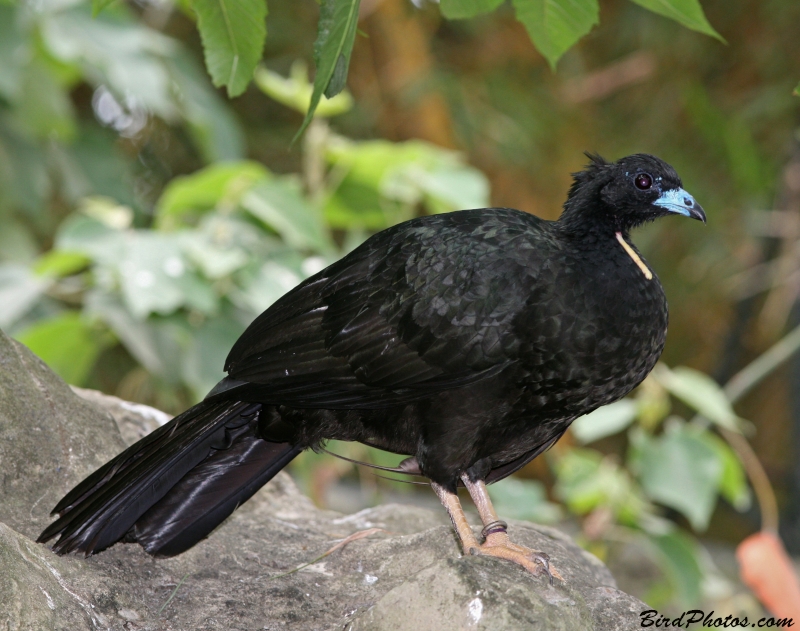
point(146, 218)
point(670, 462)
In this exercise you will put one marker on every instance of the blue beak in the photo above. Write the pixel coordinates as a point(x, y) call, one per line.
point(679, 201)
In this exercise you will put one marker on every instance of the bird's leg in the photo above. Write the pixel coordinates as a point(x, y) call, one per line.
point(452, 505)
point(497, 542)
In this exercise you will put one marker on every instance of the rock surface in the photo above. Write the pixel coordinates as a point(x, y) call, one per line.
point(407, 576)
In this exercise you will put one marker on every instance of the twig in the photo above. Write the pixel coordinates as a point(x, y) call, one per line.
point(172, 595)
point(354, 537)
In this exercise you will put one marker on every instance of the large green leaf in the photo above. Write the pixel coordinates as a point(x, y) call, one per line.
point(335, 36)
point(233, 34)
point(687, 12)
point(127, 58)
point(524, 499)
point(682, 471)
point(604, 421)
point(88, 236)
point(385, 182)
point(555, 25)
point(188, 197)
point(154, 277)
point(459, 9)
point(279, 204)
point(679, 561)
point(66, 343)
point(700, 392)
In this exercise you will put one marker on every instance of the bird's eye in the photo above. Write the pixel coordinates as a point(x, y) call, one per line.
point(643, 181)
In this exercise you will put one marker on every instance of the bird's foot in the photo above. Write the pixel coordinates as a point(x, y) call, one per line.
point(497, 544)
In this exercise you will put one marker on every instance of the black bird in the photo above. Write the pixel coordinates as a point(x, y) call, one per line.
point(468, 341)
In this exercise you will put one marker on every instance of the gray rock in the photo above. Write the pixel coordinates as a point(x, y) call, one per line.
point(409, 575)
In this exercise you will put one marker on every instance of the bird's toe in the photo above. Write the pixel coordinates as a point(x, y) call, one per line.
point(535, 561)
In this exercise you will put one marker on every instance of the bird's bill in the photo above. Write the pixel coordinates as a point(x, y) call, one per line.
point(679, 201)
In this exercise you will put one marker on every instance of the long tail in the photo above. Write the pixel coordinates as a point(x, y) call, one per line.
point(173, 487)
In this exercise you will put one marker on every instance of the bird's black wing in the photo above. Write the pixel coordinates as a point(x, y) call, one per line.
point(421, 307)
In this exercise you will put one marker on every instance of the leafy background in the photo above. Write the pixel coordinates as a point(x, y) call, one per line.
point(167, 170)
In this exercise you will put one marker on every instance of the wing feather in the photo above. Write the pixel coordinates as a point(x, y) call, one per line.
point(422, 307)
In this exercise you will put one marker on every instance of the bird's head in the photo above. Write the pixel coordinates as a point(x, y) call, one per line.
point(627, 193)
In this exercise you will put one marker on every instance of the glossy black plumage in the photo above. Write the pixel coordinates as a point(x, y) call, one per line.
point(469, 341)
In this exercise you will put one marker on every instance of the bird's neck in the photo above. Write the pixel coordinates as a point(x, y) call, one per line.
point(589, 225)
point(598, 232)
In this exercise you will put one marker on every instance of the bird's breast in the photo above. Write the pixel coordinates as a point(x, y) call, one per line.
point(591, 334)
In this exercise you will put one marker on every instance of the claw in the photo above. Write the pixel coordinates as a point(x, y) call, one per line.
point(544, 560)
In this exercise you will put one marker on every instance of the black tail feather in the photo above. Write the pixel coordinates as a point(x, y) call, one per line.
point(105, 506)
point(209, 493)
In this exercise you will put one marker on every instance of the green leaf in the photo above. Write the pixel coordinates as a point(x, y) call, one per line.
point(605, 421)
point(87, 235)
point(188, 197)
point(214, 260)
point(280, 206)
point(586, 480)
point(20, 290)
point(796, 90)
point(233, 34)
point(44, 106)
point(335, 37)
point(679, 560)
point(136, 335)
point(699, 391)
point(524, 499)
point(66, 343)
point(99, 5)
point(59, 263)
point(127, 58)
point(152, 274)
point(687, 12)
point(205, 356)
point(681, 471)
point(385, 181)
point(460, 9)
point(271, 282)
point(733, 483)
point(214, 127)
point(555, 25)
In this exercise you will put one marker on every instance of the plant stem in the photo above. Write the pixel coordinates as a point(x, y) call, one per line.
point(744, 380)
point(765, 494)
point(739, 385)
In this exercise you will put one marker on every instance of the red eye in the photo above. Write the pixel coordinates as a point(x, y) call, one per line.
point(643, 181)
